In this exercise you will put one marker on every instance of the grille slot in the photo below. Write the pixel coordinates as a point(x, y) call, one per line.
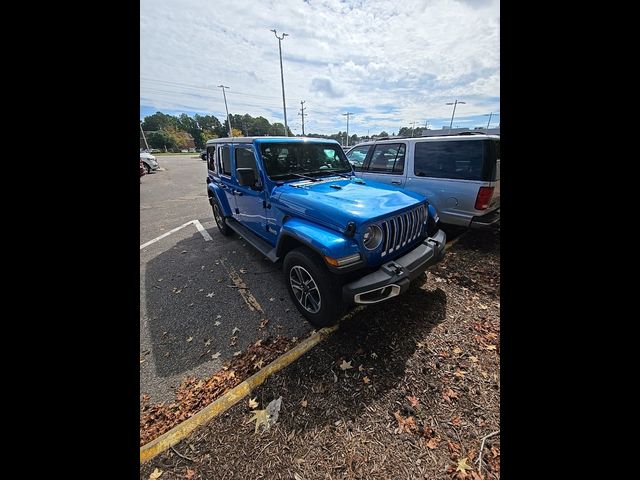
point(402, 229)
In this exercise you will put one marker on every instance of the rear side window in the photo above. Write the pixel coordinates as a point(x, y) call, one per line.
point(225, 162)
point(464, 160)
point(211, 158)
point(388, 158)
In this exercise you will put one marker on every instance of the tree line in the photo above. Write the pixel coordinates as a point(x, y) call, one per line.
point(174, 133)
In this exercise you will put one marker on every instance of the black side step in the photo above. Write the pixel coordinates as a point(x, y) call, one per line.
point(262, 246)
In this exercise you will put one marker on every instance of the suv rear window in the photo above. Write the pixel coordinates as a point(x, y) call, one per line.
point(464, 160)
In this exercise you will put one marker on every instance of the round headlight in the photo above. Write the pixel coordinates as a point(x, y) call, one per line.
point(372, 237)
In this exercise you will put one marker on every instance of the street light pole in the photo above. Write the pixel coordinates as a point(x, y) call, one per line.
point(347, 115)
point(145, 138)
point(413, 127)
point(455, 104)
point(284, 105)
point(225, 107)
point(489, 120)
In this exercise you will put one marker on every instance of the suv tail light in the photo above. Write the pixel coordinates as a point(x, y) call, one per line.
point(484, 197)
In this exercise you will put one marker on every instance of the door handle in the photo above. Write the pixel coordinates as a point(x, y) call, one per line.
point(395, 183)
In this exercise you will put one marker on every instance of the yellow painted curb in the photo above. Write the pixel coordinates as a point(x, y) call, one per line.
point(233, 396)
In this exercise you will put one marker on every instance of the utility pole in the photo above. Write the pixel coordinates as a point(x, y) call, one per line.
point(284, 105)
point(225, 107)
point(348, 114)
point(145, 138)
point(455, 104)
point(490, 114)
point(302, 115)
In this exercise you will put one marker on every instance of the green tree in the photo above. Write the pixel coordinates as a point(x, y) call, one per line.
point(158, 121)
point(162, 140)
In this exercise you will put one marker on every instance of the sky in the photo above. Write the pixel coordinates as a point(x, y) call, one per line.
point(390, 63)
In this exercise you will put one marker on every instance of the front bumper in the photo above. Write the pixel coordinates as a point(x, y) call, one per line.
point(394, 277)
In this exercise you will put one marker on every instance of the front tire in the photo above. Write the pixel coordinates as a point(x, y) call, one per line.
point(219, 218)
point(147, 168)
point(316, 292)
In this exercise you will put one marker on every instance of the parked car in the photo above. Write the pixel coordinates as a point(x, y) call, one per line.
point(142, 170)
point(341, 240)
point(203, 155)
point(458, 174)
point(150, 162)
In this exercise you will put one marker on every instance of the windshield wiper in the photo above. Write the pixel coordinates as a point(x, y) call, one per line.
point(299, 176)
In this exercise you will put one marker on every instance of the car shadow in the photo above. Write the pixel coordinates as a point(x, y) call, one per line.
point(378, 342)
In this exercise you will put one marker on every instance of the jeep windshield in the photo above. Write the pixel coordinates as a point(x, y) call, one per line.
point(286, 161)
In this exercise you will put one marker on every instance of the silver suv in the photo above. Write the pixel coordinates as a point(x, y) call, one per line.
point(459, 174)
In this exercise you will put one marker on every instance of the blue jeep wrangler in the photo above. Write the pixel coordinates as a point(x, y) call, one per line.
point(342, 240)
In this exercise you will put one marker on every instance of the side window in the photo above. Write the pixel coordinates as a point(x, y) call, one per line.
point(246, 159)
point(224, 160)
point(388, 158)
point(357, 155)
point(211, 157)
point(460, 160)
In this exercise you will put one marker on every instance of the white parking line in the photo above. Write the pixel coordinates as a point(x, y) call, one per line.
point(198, 225)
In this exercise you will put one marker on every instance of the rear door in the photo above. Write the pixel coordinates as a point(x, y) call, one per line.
point(223, 158)
point(386, 163)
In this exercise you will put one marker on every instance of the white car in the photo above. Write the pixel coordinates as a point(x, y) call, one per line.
point(150, 162)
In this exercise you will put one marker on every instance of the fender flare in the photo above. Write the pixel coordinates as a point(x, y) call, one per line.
point(321, 240)
point(213, 189)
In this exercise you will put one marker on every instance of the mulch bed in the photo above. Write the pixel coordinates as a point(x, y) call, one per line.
point(422, 393)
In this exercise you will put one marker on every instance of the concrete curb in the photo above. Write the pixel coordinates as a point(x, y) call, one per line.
point(233, 396)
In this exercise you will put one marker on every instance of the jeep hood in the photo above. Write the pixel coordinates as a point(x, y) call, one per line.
point(352, 202)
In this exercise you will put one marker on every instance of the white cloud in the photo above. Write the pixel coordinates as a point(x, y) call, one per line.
point(390, 63)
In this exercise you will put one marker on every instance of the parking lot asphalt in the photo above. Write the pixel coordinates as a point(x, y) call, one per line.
point(201, 300)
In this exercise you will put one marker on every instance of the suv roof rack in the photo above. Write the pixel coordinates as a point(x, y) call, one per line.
point(471, 133)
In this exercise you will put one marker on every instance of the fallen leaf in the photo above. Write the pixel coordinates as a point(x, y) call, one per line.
point(462, 465)
point(264, 322)
point(448, 394)
point(242, 270)
point(421, 345)
point(217, 323)
point(456, 421)
point(235, 329)
point(304, 403)
point(261, 417)
point(361, 368)
point(459, 373)
point(253, 403)
point(258, 343)
point(189, 339)
point(413, 400)
point(345, 365)
point(215, 355)
point(366, 379)
point(258, 365)
point(239, 352)
point(433, 443)
point(207, 343)
point(482, 307)
point(454, 448)
point(210, 295)
point(189, 474)
point(405, 424)
point(457, 350)
point(491, 347)
point(218, 316)
point(155, 474)
point(473, 359)
point(271, 299)
point(233, 341)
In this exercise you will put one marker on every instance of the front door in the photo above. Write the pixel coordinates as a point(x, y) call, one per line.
point(386, 164)
point(251, 211)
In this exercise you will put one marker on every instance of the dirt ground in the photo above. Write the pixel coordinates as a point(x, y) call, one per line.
point(406, 389)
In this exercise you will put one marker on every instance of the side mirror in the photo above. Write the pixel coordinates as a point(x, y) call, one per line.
point(246, 177)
